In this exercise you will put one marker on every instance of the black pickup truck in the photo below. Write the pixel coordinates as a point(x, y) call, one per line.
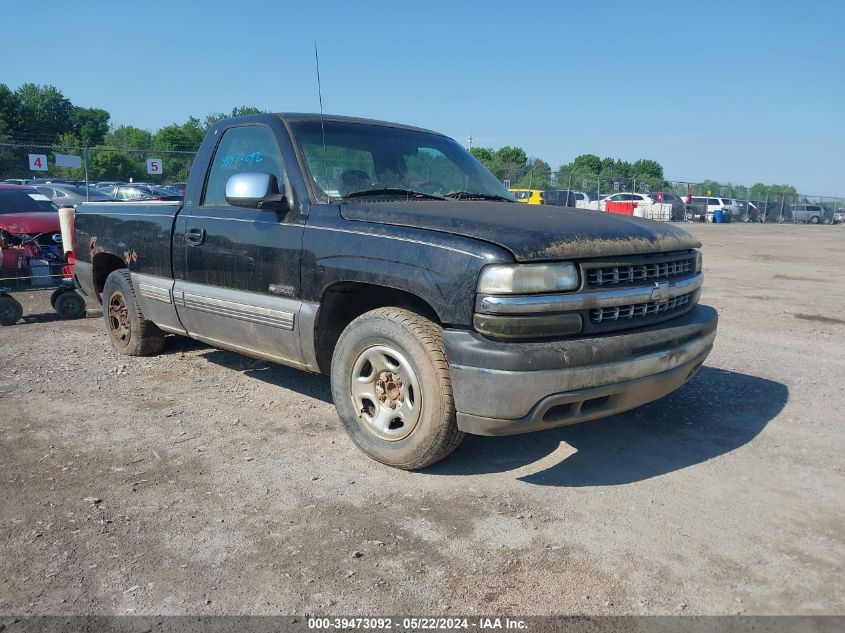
point(387, 257)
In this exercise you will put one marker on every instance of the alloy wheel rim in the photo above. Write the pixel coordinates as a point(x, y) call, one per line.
point(119, 319)
point(385, 392)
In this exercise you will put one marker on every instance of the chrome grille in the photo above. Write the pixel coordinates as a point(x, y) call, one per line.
point(639, 310)
point(599, 276)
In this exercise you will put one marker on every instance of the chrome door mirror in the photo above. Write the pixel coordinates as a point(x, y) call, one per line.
point(255, 190)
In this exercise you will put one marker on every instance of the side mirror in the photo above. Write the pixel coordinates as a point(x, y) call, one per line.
point(256, 190)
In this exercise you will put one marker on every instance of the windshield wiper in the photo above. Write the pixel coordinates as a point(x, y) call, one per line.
point(392, 191)
point(476, 195)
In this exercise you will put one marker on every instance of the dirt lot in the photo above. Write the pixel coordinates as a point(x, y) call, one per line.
point(202, 482)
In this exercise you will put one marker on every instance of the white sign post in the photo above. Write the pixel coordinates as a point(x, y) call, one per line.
point(155, 167)
point(38, 162)
point(507, 183)
point(616, 185)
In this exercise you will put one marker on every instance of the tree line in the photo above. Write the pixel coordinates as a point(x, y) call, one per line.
point(43, 115)
point(590, 172)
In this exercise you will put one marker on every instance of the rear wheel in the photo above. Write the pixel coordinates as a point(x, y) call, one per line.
point(11, 310)
point(130, 332)
point(392, 390)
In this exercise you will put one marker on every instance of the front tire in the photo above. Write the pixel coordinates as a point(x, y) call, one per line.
point(392, 389)
point(130, 332)
point(814, 219)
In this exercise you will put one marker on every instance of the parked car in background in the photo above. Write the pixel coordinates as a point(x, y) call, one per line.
point(839, 215)
point(678, 207)
point(639, 198)
point(29, 230)
point(179, 187)
point(810, 213)
point(734, 206)
point(141, 192)
point(703, 207)
point(71, 195)
point(528, 196)
point(559, 198)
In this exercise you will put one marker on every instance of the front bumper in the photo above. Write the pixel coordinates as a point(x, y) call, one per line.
point(508, 388)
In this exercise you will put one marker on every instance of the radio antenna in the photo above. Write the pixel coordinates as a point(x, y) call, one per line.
point(320, 95)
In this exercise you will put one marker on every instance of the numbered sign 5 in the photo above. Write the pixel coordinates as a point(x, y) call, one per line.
point(38, 162)
point(154, 166)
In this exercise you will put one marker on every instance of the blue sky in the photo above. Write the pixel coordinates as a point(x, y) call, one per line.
point(735, 91)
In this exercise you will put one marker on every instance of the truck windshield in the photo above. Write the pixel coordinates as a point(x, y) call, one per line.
point(357, 158)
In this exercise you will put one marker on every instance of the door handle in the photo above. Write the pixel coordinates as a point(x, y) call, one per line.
point(195, 236)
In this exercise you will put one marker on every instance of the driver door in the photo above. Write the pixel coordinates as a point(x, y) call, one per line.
point(241, 287)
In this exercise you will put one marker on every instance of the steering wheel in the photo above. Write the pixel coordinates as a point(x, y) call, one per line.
point(431, 186)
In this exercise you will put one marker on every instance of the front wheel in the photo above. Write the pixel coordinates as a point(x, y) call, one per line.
point(814, 219)
point(392, 389)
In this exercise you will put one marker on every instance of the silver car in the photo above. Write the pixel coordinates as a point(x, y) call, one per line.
point(71, 195)
point(810, 213)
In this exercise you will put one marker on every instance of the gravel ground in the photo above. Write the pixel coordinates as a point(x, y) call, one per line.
point(203, 482)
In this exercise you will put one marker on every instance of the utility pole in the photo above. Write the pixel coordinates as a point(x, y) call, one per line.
point(469, 141)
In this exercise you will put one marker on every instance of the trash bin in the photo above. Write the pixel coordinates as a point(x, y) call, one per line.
point(718, 216)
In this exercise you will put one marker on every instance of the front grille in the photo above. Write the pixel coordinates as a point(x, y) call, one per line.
point(616, 274)
point(645, 310)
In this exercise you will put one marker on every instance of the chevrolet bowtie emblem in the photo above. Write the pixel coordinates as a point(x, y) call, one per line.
point(661, 291)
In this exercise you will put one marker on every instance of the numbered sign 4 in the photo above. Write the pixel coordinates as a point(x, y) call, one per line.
point(38, 162)
point(154, 166)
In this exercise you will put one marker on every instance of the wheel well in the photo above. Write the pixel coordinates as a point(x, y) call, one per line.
point(103, 265)
point(345, 301)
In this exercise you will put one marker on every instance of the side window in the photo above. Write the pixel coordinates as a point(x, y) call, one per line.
point(242, 149)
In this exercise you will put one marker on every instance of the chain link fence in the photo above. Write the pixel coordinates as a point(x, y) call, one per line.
point(691, 201)
point(28, 162)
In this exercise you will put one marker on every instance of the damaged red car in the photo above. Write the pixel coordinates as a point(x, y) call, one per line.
point(31, 253)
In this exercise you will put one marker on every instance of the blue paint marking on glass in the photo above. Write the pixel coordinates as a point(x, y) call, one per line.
point(240, 160)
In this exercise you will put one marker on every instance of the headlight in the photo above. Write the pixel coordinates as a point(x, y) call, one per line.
point(528, 278)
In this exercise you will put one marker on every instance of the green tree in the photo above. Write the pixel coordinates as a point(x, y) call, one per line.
point(211, 119)
point(9, 112)
point(129, 137)
point(646, 168)
point(44, 112)
point(90, 125)
point(115, 165)
point(508, 155)
point(586, 163)
point(537, 175)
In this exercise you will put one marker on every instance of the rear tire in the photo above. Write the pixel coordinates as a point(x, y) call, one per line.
point(11, 310)
point(130, 332)
point(392, 389)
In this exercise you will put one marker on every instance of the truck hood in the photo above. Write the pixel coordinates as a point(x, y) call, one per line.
point(530, 232)
point(29, 223)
